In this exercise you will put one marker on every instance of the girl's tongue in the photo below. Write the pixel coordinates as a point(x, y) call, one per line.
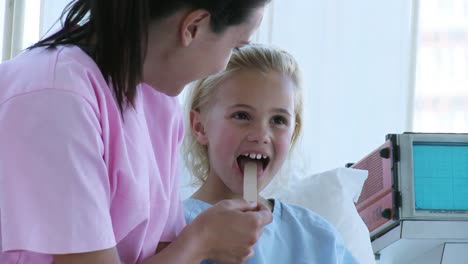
point(242, 160)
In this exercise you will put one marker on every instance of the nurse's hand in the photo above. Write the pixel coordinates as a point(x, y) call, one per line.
point(229, 230)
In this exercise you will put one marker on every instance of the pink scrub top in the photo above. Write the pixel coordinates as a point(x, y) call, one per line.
point(74, 176)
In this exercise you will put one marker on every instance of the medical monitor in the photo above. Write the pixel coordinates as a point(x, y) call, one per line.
point(433, 176)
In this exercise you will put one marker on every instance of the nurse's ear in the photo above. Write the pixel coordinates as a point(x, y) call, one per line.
point(195, 24)
point(197, 127)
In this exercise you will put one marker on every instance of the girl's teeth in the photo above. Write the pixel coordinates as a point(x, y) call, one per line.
point(254, 156)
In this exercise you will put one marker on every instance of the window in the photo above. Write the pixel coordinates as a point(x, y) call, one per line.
point(2, 25)
point(441, 93)
point(20, 25)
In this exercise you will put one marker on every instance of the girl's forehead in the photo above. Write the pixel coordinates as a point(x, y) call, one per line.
point(255, 86)
point(263, 97)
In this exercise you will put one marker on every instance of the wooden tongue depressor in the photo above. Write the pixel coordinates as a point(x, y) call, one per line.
point(250, 182)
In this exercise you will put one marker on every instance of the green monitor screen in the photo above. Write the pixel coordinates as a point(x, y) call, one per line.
point(440, 173)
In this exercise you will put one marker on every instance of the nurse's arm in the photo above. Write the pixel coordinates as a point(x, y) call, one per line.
point(107, 256)
point(182, 251)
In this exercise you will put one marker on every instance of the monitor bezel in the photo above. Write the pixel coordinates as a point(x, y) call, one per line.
point(406, 180)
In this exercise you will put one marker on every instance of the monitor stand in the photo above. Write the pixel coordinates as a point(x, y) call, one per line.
point(428, 242)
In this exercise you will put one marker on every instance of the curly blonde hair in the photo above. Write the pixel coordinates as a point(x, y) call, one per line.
point(259, 58)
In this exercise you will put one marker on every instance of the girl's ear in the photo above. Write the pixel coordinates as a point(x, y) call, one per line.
point(197, 127)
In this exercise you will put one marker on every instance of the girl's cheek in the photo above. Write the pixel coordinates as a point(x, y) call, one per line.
point(286, 138)
point(284, 146)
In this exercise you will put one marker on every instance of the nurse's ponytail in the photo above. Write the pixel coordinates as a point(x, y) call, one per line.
point(114, 32)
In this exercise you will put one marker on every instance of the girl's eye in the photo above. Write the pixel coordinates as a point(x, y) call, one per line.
point(241, 116)
point(279, 120)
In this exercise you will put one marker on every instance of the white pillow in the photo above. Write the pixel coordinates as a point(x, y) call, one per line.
point(332, 194)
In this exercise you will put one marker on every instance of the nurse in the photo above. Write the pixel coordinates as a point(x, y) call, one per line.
point(90, 131)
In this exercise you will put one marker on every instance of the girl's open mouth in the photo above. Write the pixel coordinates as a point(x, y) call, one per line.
point(261, 161)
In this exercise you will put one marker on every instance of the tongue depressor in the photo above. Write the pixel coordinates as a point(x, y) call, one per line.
point(250, 182)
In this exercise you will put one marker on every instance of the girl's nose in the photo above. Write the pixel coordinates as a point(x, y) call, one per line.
point(259, 135)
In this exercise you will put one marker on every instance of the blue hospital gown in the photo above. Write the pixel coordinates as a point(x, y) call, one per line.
point(296, 236)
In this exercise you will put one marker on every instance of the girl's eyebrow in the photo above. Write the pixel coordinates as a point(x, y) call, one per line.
point(282, 111)
point(276, 110)
point(242, 105)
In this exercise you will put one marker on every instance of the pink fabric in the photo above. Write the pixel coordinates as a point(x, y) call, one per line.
point(73, 176)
